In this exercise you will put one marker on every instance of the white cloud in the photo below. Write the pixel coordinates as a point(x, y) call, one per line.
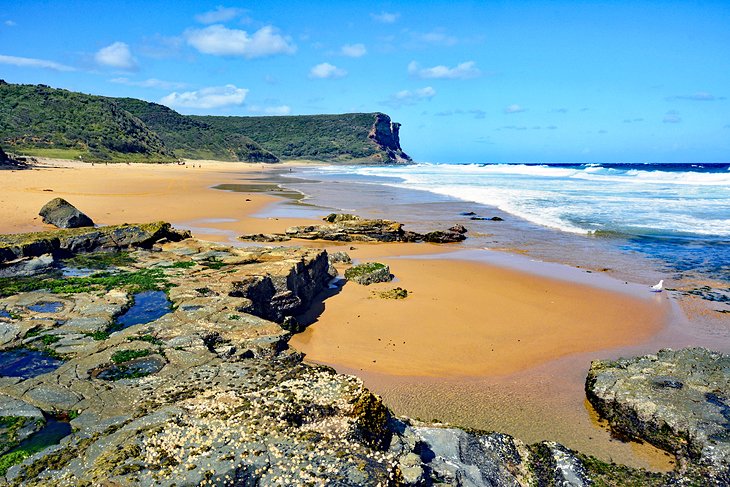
point(385, 17)
point(434, 38)
point(514, 108)
point(277, 110)
point(220, 14)
point(221, 41)
point(212, 97)
point(10, 23)
point(354, 50)
point(409, 97)
point(26, 62)
point(464, 70)
point(116, 55)
point(326, 70)
point(672, 116)
point(150, 83)
point(699, 96)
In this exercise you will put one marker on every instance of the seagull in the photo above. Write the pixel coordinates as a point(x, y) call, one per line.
point(657, 288)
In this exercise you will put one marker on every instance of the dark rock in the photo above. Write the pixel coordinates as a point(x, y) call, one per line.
point(264, 237)
point(63, 214)
point(458, 229)
point(484, 218)
point(677, 400)
point(342, 257)
point(6, 162)
point(467, 213)
point(386, 135)
point(443, 237)
point(71, 241)
point(369, 273)
point(26, 266)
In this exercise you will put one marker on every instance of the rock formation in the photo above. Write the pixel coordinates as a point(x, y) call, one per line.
point(62, 214)
point(385, 134)
point(209, 393)
point(677, 400)
point(369, 273)
point(344, 227)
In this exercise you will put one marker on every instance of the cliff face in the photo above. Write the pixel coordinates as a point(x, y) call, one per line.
point(385, 133)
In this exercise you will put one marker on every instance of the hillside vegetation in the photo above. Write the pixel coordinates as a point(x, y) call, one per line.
point(195, 139)
point(317, 137)
point(38, 120)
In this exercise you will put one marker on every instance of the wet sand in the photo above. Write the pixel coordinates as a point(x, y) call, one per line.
point(469, 328)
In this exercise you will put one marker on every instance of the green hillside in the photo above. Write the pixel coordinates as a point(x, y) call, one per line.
point(37, 120)
point(195, 139)
point(43, 121)
point(318, 137)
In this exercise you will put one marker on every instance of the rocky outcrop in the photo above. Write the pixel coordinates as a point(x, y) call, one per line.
point(7, 163)
point(62, 214)
point(677, 400)
point(385, 134)
point(70, 241)
point(369, 273)
point(342, 227)
point(209, 393)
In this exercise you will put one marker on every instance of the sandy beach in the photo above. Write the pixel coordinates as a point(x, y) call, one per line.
point(462, 320)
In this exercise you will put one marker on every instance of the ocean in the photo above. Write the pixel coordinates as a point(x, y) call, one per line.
point(676, 215)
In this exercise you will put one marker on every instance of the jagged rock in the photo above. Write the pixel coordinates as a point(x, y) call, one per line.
point(443, 237)
point(264, 237)
point(386, 135)
point(18, 421)
point(26, 266)
point(369, 273)
point(71, 241)
point(337, 257)
point(677, 400)
point(7, 163)
point(458, 229)
point(484, 218)
point(221, 373)
point(351, 228)
point(63, 214)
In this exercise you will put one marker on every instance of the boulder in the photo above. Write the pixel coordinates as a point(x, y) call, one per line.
point(443, 237)
point(458, 229)
point(63, 214)
point(678, 400)
point(369, 273)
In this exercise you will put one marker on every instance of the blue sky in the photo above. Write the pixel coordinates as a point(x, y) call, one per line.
point(470, 81)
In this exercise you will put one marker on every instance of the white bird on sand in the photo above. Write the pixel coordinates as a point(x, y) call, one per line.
point(657, 288)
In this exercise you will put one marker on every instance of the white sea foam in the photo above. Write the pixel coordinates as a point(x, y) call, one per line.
point(578, 199)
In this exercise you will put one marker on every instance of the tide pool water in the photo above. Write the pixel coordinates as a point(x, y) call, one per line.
point(679, 213)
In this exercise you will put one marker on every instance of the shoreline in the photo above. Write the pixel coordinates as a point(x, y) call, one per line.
point(226, 214)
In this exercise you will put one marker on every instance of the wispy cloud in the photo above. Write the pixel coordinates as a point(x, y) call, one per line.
point(514, 108)
point(221, 41)
point(465, 70)
point(10, 23)
point(326, 71)
point(354, 50)
point(410, 97)
point(672, 116)
point(633, 120)
point(559, 110)
point(220, 14)
point(276, 110)
point(116, 55)
point(385, 17)
point(150, 83)
point(436, 37)
point(27, 62)
point(212, 97)
point(161, 47)
point(699, 96)
point(477, 113)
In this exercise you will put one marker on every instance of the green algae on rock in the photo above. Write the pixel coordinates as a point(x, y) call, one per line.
point(369, 273)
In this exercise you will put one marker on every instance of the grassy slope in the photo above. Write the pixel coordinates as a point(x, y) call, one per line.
point(44, 121)
point(192, 138)
point(317, 137)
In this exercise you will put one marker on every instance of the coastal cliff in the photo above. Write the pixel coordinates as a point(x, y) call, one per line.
point(38, 120)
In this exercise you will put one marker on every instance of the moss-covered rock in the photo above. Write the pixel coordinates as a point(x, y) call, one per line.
point(369, 273)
